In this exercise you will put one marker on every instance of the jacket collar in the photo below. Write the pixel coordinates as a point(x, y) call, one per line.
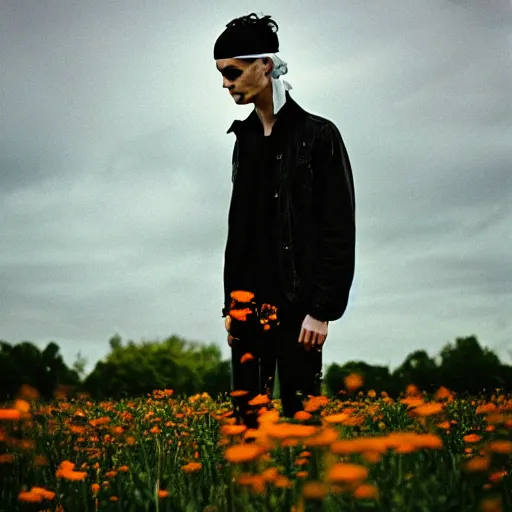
point(289, 111)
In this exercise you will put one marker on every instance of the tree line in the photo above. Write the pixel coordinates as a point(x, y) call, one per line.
point(134, 369)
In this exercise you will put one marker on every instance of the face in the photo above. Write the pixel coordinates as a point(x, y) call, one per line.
point(244, 80)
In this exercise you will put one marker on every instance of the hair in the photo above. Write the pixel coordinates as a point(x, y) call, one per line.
point(248, 34)
point(265, 23)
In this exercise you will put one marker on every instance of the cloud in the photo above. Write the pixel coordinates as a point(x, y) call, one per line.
point(115, 169)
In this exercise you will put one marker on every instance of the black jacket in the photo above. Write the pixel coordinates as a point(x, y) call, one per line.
point(315, 228)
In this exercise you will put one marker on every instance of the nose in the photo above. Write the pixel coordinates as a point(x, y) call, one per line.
point(225, 81)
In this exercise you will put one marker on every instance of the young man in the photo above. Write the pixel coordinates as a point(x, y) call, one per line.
point(291, 236)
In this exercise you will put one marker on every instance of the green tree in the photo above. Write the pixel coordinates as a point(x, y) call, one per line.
point(467, 367)
point(418, 369)
point(134, 369)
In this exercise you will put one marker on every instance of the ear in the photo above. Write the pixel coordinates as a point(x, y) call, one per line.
point(270, 68)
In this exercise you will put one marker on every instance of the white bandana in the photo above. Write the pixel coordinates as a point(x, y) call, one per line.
point(278, 87)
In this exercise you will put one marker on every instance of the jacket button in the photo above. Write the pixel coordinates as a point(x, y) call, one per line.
point(286, 247)
point(276, 194)
point(279, 156)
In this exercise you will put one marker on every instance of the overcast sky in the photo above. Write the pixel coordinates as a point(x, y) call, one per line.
point(115, 168)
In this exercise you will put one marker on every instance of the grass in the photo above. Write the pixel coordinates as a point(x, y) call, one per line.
point(166, 453)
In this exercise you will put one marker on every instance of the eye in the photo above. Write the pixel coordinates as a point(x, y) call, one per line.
point(231, 74)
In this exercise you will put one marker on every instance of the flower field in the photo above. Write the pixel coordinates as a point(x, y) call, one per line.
point(167, 453)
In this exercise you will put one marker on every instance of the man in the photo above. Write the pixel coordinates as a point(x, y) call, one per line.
point(291, 236)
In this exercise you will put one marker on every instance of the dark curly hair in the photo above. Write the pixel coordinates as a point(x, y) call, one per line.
point(252, 19)
point(247, 34)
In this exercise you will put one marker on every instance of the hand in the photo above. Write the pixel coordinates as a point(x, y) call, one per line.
point(227, 324)
point(313, 333)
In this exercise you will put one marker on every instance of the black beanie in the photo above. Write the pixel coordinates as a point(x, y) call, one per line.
point(246, 36)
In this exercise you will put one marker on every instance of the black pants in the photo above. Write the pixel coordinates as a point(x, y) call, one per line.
point(299, 371)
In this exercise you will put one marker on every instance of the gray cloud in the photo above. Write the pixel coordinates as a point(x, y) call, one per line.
point(115, 169)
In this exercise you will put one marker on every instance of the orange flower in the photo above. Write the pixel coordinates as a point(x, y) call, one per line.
point(239, 392)
point(242, 296)
point(44, 493)
point(428, 409)
point(246, 357)
point(66, 471)
point(472, 438)
point(99, 421)
point(366, 491)
point(302, 415)
point(243, 452)
point(29, 497)
point(268, 416)
point(371, 457)
point(336, 418)
point(259, 400)
point(315, 490)
point(191, 467)
point(477, 464)
point(163, 493)
point(405, 448)
point(362, 444)
point(95, 488)
point(269, 474)
point(353, 381)
point(412, 401)
point(71, 475)
point(9, 414)
point(344, 472)
point(496, 418)
point(284, 430)
point(22, 405)
point(76, 429)
point(500, 446)
point(403, 441)
point(67, 465)
point(497, 476)
point(412, 390)
point(325, 437)
point(232, 430)
point(443, 393)
point(491, 505)
point(313, 403)
point(282, 481)
point(482, 409)
point(240, 314)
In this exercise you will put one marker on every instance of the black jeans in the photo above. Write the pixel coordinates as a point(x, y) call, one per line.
point(299, 371)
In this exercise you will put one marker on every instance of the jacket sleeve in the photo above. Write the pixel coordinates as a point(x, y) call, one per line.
point(334, 204)
point(230, 260)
